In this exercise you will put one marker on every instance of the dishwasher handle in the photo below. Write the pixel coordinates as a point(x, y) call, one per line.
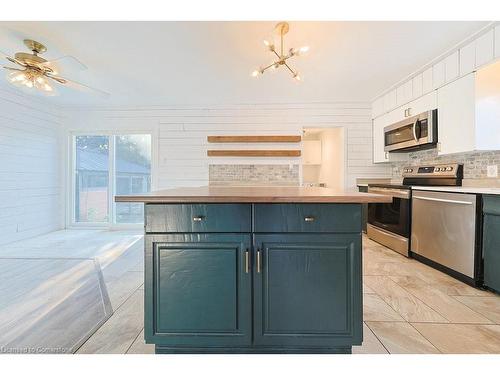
point(443, 200)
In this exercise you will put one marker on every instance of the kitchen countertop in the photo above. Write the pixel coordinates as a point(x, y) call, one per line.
point(219, 194)
point(364, 181)
point(460, 189)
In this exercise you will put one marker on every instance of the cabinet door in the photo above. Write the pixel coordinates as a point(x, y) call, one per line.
point(425, 103)
point(491, 242)
point(456, 116)
point(307, 291)
point(427, 81)
point(468, 58)
point(485, 48)
point(379, 155)
point(197, 290)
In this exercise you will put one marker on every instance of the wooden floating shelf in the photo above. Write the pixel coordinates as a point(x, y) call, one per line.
point(255, 153)
point(254, 138)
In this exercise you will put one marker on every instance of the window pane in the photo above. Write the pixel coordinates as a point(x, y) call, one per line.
point(132, 174)
point(91, 179)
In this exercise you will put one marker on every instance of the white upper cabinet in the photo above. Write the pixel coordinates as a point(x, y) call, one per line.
point(378, 107)
point(438, 75)
point(467, 58)
point(417, 86)
point(497, 42)
point(485, 48)
point(427, 81)
point(404, 93)
point(379, 155)
point(451, 67)
point(468, 112)
point(423, 104)
point(390, 100)
point(456, 116)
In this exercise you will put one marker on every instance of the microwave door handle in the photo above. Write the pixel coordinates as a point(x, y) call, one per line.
point(415, 124)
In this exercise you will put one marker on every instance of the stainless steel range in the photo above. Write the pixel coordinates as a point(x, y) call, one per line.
point(390, 223)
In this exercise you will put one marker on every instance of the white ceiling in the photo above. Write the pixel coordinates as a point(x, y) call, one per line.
point(184, 63)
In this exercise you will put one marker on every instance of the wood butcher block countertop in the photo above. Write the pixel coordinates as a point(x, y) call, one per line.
point(261, 194)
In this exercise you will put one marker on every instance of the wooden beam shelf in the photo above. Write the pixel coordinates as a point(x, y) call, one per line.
point(254, 138)
point(255, 153)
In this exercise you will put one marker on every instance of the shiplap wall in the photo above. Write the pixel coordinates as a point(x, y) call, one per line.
point(181, 134)
point(31, 153)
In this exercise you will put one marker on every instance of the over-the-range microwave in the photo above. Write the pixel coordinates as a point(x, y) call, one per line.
point(416, 132)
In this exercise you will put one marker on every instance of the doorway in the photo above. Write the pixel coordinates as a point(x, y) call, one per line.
point(323, 159)
point(104, 166)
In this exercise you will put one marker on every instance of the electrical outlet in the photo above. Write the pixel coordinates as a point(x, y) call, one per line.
point(492, 170)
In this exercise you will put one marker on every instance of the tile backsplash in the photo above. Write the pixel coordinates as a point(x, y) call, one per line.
point(475, 163)
point(254, 174)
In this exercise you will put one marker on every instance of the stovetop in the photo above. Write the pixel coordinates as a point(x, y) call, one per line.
point(428, 175)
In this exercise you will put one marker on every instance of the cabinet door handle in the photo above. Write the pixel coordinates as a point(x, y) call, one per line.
point(309, 218)
point(409, 112)
point(247, 261)
point(406, 112)
point(198, 218)
point(259, 266)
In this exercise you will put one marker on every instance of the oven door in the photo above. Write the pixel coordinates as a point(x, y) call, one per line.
point(392, 217)
point(410, 133)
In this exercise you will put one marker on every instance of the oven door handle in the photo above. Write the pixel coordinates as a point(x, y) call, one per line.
point(395, 193)
point(443, 200)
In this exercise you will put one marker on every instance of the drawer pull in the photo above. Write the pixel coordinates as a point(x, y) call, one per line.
point(247, 261)
point(259, 266)
point(198, 218)
point(309, 219)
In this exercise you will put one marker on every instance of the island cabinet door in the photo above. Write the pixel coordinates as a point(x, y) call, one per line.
point(308, 290)
point(198, 290)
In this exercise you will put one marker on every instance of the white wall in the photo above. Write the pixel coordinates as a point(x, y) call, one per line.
point(181, 134)
point(31, 154)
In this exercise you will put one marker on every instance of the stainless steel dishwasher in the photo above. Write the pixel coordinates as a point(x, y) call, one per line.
point(444, 231)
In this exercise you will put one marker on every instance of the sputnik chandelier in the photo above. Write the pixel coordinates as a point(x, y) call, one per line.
point(281, 29)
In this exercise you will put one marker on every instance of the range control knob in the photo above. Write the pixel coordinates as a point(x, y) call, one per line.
point(449, 169)
point(410, 170)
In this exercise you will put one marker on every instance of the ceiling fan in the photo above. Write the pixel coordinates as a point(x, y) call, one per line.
point(35, 72)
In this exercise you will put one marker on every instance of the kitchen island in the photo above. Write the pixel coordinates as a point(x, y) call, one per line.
point(253, 269)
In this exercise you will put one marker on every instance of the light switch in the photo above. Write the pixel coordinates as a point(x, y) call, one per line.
point(492, 170)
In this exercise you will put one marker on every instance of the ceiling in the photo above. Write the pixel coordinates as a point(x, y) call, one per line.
point(189, 63)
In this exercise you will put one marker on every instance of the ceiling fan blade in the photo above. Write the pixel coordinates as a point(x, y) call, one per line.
point(10, 68)
point(67, 62)
point(78, 86)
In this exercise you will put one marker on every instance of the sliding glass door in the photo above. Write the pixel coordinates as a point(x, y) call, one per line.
point(105, 166)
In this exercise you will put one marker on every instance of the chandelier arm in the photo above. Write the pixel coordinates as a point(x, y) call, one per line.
point(290, 69)
point(277, 54)
point(282, 44)
point(267, 67)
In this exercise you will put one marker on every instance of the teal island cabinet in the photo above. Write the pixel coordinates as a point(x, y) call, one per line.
point(253, 270)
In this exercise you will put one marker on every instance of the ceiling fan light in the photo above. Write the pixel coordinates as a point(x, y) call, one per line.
point(16, 77)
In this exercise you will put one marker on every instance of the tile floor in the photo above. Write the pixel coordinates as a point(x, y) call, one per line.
point(408, 306)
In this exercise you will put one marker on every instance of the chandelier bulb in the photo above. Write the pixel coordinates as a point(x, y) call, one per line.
point(255, 73)
point(304, 49)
